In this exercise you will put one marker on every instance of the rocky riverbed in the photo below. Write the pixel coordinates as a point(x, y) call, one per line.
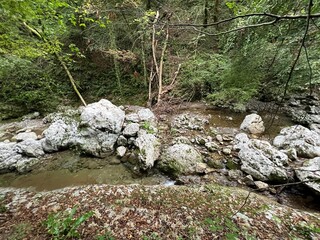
point(187, 146)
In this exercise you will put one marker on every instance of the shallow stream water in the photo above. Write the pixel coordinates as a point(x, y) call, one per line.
point(64, 169)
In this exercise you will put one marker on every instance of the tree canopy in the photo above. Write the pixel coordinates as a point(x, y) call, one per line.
point(144, 51)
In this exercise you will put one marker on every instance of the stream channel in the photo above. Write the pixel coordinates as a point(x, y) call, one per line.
point(67, 168)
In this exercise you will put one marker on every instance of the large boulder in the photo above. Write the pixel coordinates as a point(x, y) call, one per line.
point(305, 141)
point(261, 160)
point(180, 159)
point(148, 147)
point(11, 160)
point(253, 124)
point(308, 172)
point(8, 156)
point(104, 116)
point(60, 135)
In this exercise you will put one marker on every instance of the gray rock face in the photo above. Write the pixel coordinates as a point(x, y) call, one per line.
point(310, 171)
point(8, 156)
point(132, 117)
point(95, 142)
point(149, 149)
point(145, 114)
point(180, 159)
point(103, 115)
point(10, 159)
point(241, 140)
point(211, 146)
point(306, 142)
point(261, 185)
point(122, 141)
point(131, 130)
point(261, 160)
point(30, 148)
point(253, 124)
point(190, 121)
point(121, 151)
point(60, 135)
point(24, 136)
point(303, 117)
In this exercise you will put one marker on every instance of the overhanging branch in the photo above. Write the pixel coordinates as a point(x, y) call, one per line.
point(270, 15)
point(236, 29)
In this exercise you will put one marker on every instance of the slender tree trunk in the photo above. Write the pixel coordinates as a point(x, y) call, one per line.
point(71, 79)
point(216, 12)
point(161, 64)
point(148, 4)
point(205, 18)
point(154, 57)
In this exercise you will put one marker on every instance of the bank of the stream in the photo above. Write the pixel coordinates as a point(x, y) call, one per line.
point(157, 212)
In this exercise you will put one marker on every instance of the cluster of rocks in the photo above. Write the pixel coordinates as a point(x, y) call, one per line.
point(97, 130)
point(188, 121)
point(260, 161)
point(294, 153)
point(101, 129)
point(304, 109)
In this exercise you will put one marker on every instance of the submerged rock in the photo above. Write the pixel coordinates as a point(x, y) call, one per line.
point(310, 171)
point(180, 159)
point(306, 142)
point(253, 124)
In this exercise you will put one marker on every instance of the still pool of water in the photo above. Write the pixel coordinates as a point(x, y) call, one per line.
point(67, 169)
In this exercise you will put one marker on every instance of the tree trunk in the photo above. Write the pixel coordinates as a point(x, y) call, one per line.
point(148, 5)
point(205, 18)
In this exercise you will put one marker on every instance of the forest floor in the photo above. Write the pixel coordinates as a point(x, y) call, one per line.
point(152, 212)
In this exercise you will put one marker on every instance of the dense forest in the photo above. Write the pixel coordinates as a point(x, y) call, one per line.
point(55, 52)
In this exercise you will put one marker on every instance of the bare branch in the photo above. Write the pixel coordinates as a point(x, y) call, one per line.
point(270, 15)
point(303, 40)
point(236, 29)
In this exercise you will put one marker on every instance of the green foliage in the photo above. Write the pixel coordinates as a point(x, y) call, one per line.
point(307, 230)
point(225, 227)
point(64, 225)
point(26, 84)
point(3, 208)
point(107, 236)
point(153, 236)
point(148, 127)
point(200, 75)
